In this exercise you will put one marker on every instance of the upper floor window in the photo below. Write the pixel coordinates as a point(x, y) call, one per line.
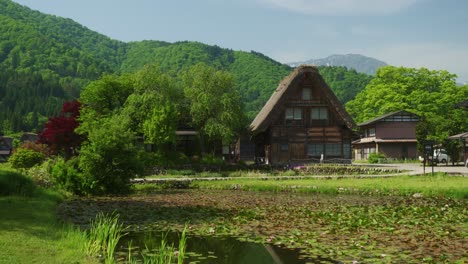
point(293, 113)
point(371, 132)
point(319, 114)
point(306, 93)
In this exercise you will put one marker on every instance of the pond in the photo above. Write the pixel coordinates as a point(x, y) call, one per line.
point(216, 250)
point(346, 228)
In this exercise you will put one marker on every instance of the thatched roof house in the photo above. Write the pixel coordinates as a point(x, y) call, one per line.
point(303, 120)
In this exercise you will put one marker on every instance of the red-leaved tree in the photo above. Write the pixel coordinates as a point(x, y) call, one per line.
point(59, 133)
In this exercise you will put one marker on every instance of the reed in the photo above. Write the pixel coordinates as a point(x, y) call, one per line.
point(103, 236)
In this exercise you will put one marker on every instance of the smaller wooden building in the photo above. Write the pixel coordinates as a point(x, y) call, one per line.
point(6, 147)
point(392, 134)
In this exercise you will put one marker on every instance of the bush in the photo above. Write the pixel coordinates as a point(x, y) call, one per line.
point(13, 183)
point(40, 174)
point(375, 158)
point(41, 148)
point(67, 176)
point(209, 159)
point(25, 158)
point(109, 159)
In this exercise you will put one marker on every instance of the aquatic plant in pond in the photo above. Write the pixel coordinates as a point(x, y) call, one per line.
point(215, 249)
point(163, 252)
point(342, 227)
point(103, 236)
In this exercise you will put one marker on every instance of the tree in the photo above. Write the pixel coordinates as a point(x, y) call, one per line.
point(153, 106)
point(429, 94)
point(59, 133)
point(109, 158)
point(215, 104)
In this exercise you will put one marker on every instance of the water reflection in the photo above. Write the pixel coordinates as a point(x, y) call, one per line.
point(216, 250)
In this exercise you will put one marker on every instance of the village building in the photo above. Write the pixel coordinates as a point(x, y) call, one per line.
point(392, 134)
point(303, 121)
point(462, 137)
point(6, 147)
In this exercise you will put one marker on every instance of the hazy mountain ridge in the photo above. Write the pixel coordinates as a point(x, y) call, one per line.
point(360, 63)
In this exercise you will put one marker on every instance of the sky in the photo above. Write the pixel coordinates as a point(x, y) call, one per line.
point(410, 33)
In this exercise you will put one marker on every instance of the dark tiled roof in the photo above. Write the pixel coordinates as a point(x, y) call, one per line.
point(374, 120)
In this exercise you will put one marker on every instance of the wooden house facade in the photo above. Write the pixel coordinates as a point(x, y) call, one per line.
point(392, 134)
point(302, 121)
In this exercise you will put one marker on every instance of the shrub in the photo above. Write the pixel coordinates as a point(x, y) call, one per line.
point(41, 148)
point(210, 159)
point(13, 183)
point(25, 158)
point(109, 159)
point(67, 176)
point(375, 158)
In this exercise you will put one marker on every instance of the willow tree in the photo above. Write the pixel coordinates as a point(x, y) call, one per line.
point(215, 104)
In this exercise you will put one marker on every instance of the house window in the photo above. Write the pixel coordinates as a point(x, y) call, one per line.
point(284, 147)
point(371, 132)
point(333, 149)
point(306, 93)
point(319, 113)
point(293, 113)
point(346, 150)
point(314, 149)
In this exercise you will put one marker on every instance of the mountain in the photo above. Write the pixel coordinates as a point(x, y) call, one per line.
point(358, 62)
point(46, 60)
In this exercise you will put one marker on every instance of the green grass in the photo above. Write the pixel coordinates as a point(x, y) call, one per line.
point(30, 231)
point(437, 185)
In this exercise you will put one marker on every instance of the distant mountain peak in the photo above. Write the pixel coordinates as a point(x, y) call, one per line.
point(358, 62)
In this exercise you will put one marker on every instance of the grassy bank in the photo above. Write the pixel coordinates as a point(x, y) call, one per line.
point(29, 229)
point(432, 186)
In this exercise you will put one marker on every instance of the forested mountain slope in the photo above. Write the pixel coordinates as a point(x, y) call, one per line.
point(45, 60)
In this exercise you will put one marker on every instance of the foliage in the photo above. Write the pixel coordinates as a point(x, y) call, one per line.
point(210, 159)
point(59, 133)
point(13, 183)
point(109, 159)
point(429, 94)
point(25, 158)
point(38, 147)
point(153, 106)
point(215, 104)
point(46, 60)
point(66, 175)
point(103, 236)
point(375, 158)
point(106, 94)
point(345, 83)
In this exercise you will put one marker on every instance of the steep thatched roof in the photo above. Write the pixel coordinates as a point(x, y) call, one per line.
point(264, 118)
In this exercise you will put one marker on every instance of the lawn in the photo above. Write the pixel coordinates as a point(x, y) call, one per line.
point(428, 186)
point(31, 233)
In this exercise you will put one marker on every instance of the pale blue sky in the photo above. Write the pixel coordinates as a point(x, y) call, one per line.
point(411, 33)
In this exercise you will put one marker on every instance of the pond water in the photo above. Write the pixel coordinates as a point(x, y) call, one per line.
point(217, 250)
